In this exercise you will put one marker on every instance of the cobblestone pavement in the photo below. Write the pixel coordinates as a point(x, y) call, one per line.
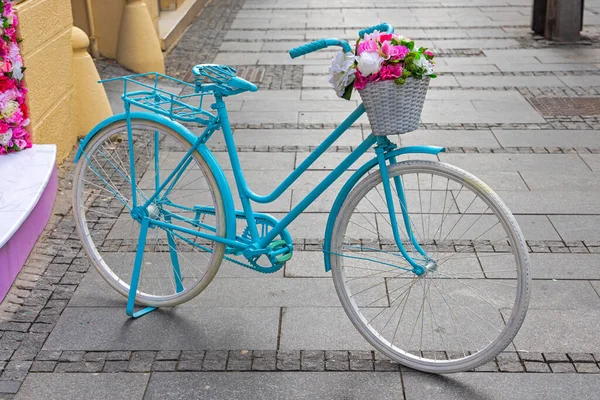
point(528, 126)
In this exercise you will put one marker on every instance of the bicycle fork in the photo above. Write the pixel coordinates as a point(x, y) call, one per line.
point(383, 146)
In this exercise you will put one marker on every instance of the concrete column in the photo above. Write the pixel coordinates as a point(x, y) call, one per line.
point(138, 46)
point(92, 104)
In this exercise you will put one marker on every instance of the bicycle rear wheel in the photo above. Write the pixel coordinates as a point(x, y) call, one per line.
point(176, 266)
point(468, 305)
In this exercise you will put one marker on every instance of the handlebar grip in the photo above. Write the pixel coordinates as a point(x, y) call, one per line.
point(308, 48)
point(383, 27)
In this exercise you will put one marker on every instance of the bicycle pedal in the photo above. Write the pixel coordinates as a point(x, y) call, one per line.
point(279, 245)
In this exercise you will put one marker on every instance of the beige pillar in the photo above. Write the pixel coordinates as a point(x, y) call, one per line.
point(138, 47)
point(92, 104)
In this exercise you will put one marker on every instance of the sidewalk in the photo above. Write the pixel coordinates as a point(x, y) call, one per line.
point(519, 113)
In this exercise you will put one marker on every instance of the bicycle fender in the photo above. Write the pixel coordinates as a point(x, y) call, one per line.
point(214, 166)
point(353, 180)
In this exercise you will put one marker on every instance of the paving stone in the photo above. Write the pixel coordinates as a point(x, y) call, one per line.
point(118, 355)
point(531, 366)
point(562, 367)
point(72, 355)
point(115, 366)
point(531, 356)
point(79, 386)
point(312, 360)
point(500, 386)
point(301, 385)
point(141, 361)
point(215, 360)
point(189, 365)
point(164, 366)
point(490, 366)
point(587, 368)
point(288, 360)
point(319, 328)
point(264, 360)
point(185, 355)
point(239, 360)
point(556, 357)
point(581, 357)
point(10, 387)
point(216, 328)
point(79, 366)
point(167, 355)
point(95, 356)
point(42, 366)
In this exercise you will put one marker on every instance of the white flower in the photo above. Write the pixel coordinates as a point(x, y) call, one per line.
point(424, 63)
point(341, 73)
point(5, 137)
point(17, 71)
point(369, 63)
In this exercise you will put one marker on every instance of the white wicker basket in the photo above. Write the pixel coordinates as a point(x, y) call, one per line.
point(393, 109)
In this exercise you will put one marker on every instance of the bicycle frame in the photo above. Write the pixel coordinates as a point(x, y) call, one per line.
point(385, 151)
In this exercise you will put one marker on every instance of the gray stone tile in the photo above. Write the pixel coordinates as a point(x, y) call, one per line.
point(581, 80)
point(550, 163)
point(558, 181)
point(319, 328)
point(502, 81)
point(479, 138)
point(537, 227)
point(551, 266)
point(294, 137)
point(259, 161)
point(306, 264)
point(109, 328)
point(550, 202)
point(274, 385)
point(83, 386)
point(577, 227)
point(467, 386)
point(539, 67)
point(564, 331)
point(547, 138)
point(592, 160)
point(563, 295)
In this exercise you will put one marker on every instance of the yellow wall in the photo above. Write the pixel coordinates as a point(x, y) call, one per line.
point(45, 27)
point(107, 19)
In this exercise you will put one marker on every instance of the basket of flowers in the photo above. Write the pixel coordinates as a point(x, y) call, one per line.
point(391, 75)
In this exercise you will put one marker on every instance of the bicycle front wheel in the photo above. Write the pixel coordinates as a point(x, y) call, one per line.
point(470, 302)
point(177, 265)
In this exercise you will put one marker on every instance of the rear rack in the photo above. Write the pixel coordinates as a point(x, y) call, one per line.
point(141, 90)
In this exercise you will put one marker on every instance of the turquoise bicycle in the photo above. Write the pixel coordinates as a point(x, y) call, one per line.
point(429, 264)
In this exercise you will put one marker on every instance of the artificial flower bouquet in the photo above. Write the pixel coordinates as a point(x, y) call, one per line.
point(391, 75)
point(14, 115)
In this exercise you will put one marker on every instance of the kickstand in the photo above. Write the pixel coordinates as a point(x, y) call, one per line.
point(135, 276)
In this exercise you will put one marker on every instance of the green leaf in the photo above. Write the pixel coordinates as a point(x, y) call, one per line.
point(348, 91)
point(400, 81)
point(433, 76)
point(410, 45)
point(5, 24)
point(395, 42)
point(356, 47)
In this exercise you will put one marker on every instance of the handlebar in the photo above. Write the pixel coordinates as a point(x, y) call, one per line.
point(323, 43)
point(318, 45)
point(383, 27)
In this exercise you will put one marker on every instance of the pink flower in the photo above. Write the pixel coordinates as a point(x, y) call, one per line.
point(3, 127)
point(19, 132)
point(10, 32)
point(361, 81)
point(428, 53)
point(3, 150)
point(16, 118)
point(391, 71)
point(390, 51)
point(385, 36)
point(21, 143)
point(368, 46)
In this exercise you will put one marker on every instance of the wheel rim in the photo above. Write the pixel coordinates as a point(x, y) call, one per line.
point(109, 231)
point(456, 316)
